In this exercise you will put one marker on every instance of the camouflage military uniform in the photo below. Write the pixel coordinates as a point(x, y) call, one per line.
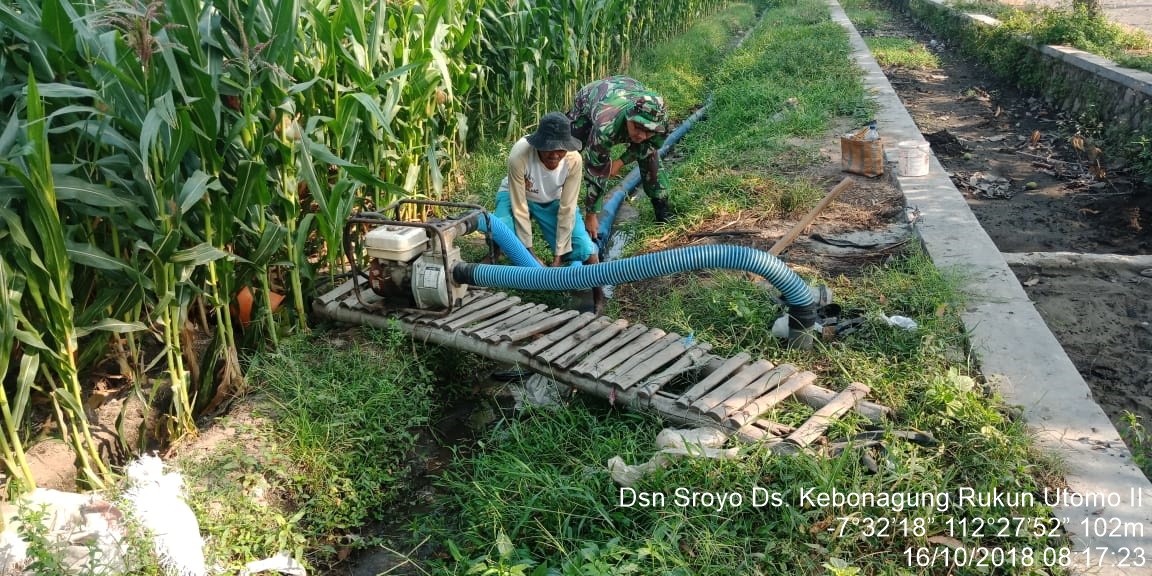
point(598, 120)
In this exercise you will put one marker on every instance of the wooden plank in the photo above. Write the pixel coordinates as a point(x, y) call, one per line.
point(490, 310)
point(476, 306)
point(542, 343)
point(514, 310)
point(627, 352)
point(497, 327)
point(757, 388)
point(815, 425)
point(605, 334)
point(773, 397)
point(740, 379)
point(549, 322)
point(690, 360)
point(535, 315)
point(574, 340)
point(605, 349)
point(712, 380)
point(341, 290)
point(646, 361)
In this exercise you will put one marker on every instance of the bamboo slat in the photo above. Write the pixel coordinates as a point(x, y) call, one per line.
point(757, 388)
point(627, 352)
point(534, 316)
point(509, 313)
point(581, 336)
point(606, 349)
point(694, 358)
point(493, 308)
point(712, 380)
point(548, 323)
point(649, 360)
point(478, 305)
point(773, 397)
point(544, 342)
point(740, 379)
point(494, 329)
point(605, 334)
point(815, 425)
point(341, 290)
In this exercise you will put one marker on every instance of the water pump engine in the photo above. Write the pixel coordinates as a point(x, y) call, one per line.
point(410, 261)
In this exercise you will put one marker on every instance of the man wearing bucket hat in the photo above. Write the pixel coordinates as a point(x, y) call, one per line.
point(620, 110)
point(543, 184)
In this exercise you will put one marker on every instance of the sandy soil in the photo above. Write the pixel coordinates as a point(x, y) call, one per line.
point(1035, 185)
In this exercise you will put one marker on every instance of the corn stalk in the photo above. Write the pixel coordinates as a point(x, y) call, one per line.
point(44, 262)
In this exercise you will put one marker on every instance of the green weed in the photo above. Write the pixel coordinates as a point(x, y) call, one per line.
point(865, 15)
point(330, 449)
point(537, 494)
point(1139, 441)
point(902, 52)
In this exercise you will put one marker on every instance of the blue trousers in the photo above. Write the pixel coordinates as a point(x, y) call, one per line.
point(545, 215)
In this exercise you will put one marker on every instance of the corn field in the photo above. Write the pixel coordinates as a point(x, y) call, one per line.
point(163, 163)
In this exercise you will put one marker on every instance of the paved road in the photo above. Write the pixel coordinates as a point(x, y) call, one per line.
point(1135, 13)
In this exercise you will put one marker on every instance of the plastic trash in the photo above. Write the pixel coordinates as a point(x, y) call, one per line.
point(282, 563)
point(872, 134)
point(674, 444)
point(901, 322)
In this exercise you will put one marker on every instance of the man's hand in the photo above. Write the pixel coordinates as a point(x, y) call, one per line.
point(614, 168)
point(535, 256)
point(592, 225)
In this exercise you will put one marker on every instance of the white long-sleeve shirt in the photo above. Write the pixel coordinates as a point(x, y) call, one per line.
point(529, 180)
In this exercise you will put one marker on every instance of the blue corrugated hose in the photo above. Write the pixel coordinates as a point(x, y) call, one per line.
point(528, 274)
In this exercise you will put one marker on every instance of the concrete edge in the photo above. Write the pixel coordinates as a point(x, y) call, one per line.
point(1130, 78)
point(1018, 353)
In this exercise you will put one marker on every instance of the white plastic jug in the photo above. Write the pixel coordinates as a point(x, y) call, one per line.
point(912, 157)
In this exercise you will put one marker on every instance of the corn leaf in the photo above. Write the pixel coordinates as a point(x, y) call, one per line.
point(111, 325)
point(198, 255)
point(57, 90)
point(25, 379)
point(193, 190)
point(73, 189)
point(94, 257)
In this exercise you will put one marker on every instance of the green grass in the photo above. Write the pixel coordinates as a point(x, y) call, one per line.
point(865, 16)
point(1072, 27)
point(536, 499)
point(902, 52)
point(1139, 441)
point(538, 494)
point(534, 496)
point(1137, 61)
point(787, 82)
point(337, 420)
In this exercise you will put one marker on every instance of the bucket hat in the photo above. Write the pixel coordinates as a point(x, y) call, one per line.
point(648, 111)
point(554, 133)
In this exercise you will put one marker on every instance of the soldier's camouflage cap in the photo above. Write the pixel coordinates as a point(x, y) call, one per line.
point(648, 111)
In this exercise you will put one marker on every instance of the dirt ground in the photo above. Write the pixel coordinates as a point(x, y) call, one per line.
point(1037, 184)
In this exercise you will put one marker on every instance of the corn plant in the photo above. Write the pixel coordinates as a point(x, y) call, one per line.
point(160, 156)
point(40, 253)
point(11, 445)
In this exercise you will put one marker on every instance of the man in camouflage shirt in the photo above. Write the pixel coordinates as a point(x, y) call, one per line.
point(619, 110)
